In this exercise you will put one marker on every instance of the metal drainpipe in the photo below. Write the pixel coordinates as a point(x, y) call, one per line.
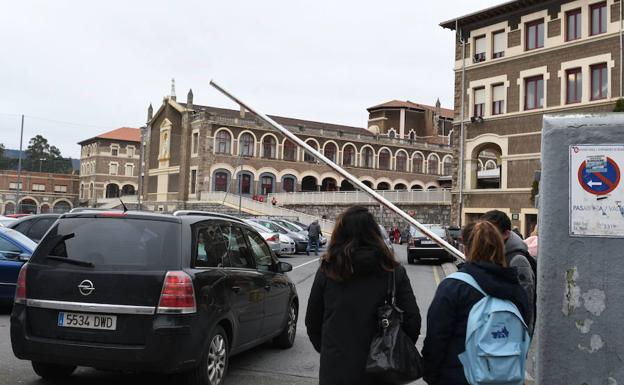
point(461, 129)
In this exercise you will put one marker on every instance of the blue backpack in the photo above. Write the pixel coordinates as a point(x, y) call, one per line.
point(497, 340)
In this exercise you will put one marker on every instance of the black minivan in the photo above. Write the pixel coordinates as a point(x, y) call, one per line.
point(135, 291)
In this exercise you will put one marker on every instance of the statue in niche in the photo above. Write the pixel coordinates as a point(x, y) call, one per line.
point(164, 145)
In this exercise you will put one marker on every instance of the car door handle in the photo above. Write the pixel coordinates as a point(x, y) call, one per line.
point(267, 288)
point(236, 289)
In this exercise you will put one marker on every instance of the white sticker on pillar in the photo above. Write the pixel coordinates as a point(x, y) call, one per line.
point(596, 194)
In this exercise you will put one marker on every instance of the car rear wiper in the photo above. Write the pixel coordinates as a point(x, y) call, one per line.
point(70, 261)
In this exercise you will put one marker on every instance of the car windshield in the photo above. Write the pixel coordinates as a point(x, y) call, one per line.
point(439, 231)
point(130, 244)
point(21, 238)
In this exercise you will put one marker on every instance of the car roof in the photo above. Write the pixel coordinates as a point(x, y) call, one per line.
point(126, 214)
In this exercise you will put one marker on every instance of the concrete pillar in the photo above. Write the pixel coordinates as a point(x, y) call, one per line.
point(579, 334)
point(402, 124)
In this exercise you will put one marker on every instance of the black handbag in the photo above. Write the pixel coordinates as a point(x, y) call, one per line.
point(393, 357)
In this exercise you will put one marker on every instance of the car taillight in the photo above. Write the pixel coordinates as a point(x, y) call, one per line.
point(273, 238)
point(177, 295)
point(20, 290)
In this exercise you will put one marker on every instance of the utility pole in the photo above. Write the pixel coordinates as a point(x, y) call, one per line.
point(19, 169)
point(141, 156)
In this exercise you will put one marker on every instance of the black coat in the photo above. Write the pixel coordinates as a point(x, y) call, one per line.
point(341, 318)
point(448, 316)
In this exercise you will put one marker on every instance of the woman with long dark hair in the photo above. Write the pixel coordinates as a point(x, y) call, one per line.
point(447, 317)
point(351, 283)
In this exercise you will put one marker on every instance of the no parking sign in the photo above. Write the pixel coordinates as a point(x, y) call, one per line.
point(596, 196)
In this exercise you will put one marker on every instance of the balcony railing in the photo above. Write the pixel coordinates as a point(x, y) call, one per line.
point(359, 197)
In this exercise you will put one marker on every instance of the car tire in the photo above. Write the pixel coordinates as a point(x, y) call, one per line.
point(214, 362)
point(286, 339)
point(49, 371)
point(410, 260)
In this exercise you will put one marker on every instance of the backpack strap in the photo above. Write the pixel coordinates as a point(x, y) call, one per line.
point(467, 278)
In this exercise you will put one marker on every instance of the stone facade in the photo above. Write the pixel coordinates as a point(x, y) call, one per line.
point(513, 132)
point(40, 192)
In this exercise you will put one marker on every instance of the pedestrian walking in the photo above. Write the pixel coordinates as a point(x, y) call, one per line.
point(314, 234)
point(447, 318)
point(405, 235)
point(348, 288)
point(516, 254)
point(274, 201)
point(396, 234)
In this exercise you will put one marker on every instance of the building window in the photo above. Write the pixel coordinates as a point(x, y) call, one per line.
point(348, 156)
point(447, 165)
point(130, 151)
point(599, 84)
point(309, 157)
point(112, 169)
point(288, 185)
point(534, 93)
point(417, 164)
point(479, 53)
point(367, 157)
point(15, 186)
point(129, 170)
point(535, 34)
point(573, 24)
point(401, 162)
point(330, 152)
point(60, 189)
point(266, 184)
point(114, 151)
point(498, 44)
point(221, 181)
point(574, 86)
point(195, 143)
point(269, 146)
point(223, 142)
point(38, 187)
point(598, 19)
point(245, 184)
point(479, 102)
point(384, 160)
point(246, 144)
point(193, 185)
point(498, 99)
point(433, 165)
point(290, 151)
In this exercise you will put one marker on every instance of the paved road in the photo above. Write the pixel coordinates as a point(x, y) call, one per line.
point(262, 365)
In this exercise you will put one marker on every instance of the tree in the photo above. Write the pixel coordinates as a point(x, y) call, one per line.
point(1, 151)
point(41, 156)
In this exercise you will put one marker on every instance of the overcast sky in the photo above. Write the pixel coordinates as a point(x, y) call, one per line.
point(87, 67)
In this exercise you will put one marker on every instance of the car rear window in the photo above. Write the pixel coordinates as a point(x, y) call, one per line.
point(439, 231)
point(124, 243)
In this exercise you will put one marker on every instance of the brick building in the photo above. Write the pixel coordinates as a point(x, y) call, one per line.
point(192, 148)
point(40, 192)
point(109, 165)
point(521, 60)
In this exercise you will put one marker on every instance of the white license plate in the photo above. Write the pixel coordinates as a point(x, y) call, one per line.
point(87, 321)
point(427, 242)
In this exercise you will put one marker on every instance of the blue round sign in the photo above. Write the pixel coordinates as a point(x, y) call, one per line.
point(599, 178)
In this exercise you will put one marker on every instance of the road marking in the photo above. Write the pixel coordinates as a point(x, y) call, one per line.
point(436, 275)
point(307, 263)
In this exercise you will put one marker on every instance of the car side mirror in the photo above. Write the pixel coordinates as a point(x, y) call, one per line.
point(284, 267)
point(24, 257)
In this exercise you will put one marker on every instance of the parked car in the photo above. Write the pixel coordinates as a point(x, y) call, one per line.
point(34, 226)
point(453, 233)
point(279, 244)
point(421, 247)
point(301, 241)
point(5, 221)
point(15, 249)
point(140, 291)
point(303, 229)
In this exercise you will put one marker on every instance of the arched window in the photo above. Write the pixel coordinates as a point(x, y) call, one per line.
point(224, 140)
point(308, 157)
point(220, 181)
point(330, 151)
point(348, 156)
point(432, 165)
point(246, 145)
point(447, 166)
point(269, 147)
point(417, 164)
point(290, 151)
point(384, 160)
point(288, 184)
point(367, 157)
point(245, 181)
point(392, 133)
point(401, 162)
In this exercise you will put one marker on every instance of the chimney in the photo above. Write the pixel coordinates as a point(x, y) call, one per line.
point(189, 99)
point(150, 112)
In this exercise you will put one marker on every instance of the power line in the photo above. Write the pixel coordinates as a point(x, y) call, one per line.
point(57, 121)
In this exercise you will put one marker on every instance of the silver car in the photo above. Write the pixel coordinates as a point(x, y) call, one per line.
point(301, 241)
point(271, 238)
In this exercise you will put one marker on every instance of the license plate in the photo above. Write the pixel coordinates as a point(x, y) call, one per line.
point(427, 242)
point(87, 321)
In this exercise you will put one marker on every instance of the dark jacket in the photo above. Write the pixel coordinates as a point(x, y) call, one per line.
point(448, 316)
point(314, 230)
point(341, 318)
point(515, 252)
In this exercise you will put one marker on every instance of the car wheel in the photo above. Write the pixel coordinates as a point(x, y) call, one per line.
point(286, 339)
point(52, 371)
point(410, 260)
point(214, 363)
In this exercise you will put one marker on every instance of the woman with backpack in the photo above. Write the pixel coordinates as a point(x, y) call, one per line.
point(448, 314)
point(350, 285)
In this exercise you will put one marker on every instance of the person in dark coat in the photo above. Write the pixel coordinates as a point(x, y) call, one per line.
point(351, 283)
point(448, 314)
